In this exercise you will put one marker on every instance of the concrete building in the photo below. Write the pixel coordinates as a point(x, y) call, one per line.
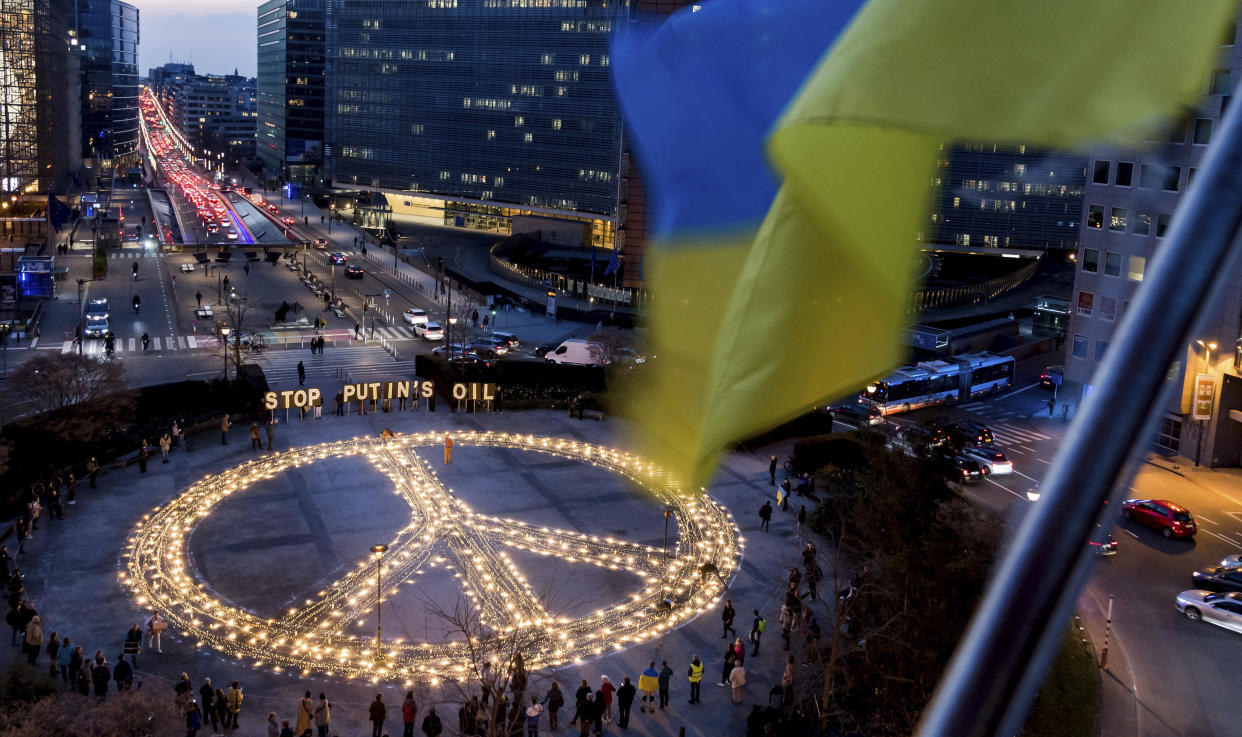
point(1128, 205)
point(216, 112)
point(108, 32)
point(290, 89)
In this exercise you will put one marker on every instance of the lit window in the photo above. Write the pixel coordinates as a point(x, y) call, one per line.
point(519, 121)
point(556, 124)
point(1142, 223)
point(1086, 301)
point(1117, 220)
point(529, 138)
point(491, 135)
point(1095, 216)
point(957, 201)
point(1138, 264)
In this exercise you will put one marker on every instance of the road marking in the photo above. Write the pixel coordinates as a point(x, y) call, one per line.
point(1028, 448)
point(1041, 460)
point(1019, 391)
point(1028, 478)
point(1006, 488)
point(1131, 534)
point(1234, 543)
point(1205, 519)
point(1011, 449)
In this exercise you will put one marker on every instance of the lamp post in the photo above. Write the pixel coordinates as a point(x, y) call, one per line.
point(452, 321)
point(668, 512)
point(224, 334)
point(331, 215)
point(379, 551)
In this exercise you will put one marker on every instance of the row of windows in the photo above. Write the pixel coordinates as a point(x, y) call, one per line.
point(1081, 347)
point(1119, 220)
point(1092, 305)
point(1112, 264)
point(1151, 176)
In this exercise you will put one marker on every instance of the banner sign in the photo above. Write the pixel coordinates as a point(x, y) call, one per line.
point(1205, 389)
point(377, 391)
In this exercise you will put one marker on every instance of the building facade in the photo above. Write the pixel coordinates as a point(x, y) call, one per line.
point(215, 112)
point(290, 89)
point(1129, 202)
point(108, 32)
point(477, 111)
point(994, 196)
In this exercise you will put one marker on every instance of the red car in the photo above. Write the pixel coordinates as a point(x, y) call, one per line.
point(287, 221)
point(1173, 520)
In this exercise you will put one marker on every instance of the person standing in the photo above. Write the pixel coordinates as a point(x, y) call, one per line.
point(155, 627)
point(222, 708)
point(100, 675)
point(165, 445)
point(726, 617)
point(431, 724)
point(23, 532)
point(207, 702)
point(133, 644)
point(648, 681)
point(301, 373)
point(199, 296)
point(772, 471)
point(801, 518)
point(532, 718)
point(193, 719)
point(255, 443)
point(34, 640)
point(175, 433)
point(323, 715)
point(409, 712)
point(625, 701)
point(696, 678)
point(765, 516)
point(606, 689)
point(271, 431)
point(306, 714)
point(72, 483)
point(787, 682)
point(757, 626)
point(53, 649)
point(54, 508)
point(123, 674)
point(664, 679)
point(580, 697)
point(143, 452)
point(378, 714)
point(448, 449)
point(730, 662)
point(273, 728)
point(555, 700)
point(786, 621)
point(224, 430)
point(233, 702)
point(737, 679)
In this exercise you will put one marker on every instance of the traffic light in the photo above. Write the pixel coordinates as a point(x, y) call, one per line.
point(366, 310)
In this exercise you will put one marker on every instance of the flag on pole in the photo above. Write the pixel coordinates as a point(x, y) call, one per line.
point(783, 281)
point(613, 263)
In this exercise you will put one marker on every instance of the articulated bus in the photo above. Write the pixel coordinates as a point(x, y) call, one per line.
point(930, 383)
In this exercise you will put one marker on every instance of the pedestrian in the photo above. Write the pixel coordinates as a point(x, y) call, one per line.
point(696, 679)
point(54, 508)
point(378, 713)
point(53, 648)
point(606, 689)
point(233, 700)
point(1052, 408)
point(224, 430)
point(801, 518)
point(82, 679)
point(34, 640)
point(786, 621)
point(737, 679)
point(193, 719)
point(271, 430)
point(1065, 412)
point(625, 701)
point(357, 330)
point(338, 404)
point(730, 662)
point(555, 700)
point(787, 682)
point(23, 532)
point(597, 713)
point(323, 715)
point(648, 681)
point(532, 718)
point(756, 631)
point(175, 433)
point(813, 576)
point(726, 617)
point(273, 728)
point(431, 724)
point(165, 445)
point(765, 516)
point(301, 374)
point(63, 658)
point(246, 268)
point(199, 296)
point(448, 449)
point(782, 496)
point(255, 444)
point(222, 708)
point(146, 343)
point(580, 697)
point(808, 555)
point(812, 639)
point(207, 703)
point(123, 674)
point(155, 627)
point(184, 691)
point(143, 451)
point(318, 405)
point(739, 651)
point(100, 675)
point(133, 644)
point(587, 713)
point(666, 676)
point(72, 483)
point(772, 471)
point(409, 711)
point(306, 713)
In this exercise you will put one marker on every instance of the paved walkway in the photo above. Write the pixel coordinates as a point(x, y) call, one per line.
point(282, 539)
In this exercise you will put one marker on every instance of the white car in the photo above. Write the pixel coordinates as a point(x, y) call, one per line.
point(997, 463)
point(415, 316)
point(429, 331)
point(1222, 610)
point(231, 235)
point(187, 268)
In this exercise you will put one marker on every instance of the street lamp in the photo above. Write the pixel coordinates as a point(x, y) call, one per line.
point(1207, 356)
point(224, 334)
point(452, 321)
point(379, 551)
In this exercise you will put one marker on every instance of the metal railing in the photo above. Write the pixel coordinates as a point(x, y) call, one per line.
point(927, 299)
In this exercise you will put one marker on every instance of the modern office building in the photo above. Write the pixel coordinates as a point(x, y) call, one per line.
point(1012, 196)
point(476, 111)
point(1128, 205)
point(290, 89)
point(40, 138)
point(167, 75)
point(108, 33)
point(216, 112)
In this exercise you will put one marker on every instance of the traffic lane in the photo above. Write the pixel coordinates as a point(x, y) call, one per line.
point(125, 322)
point(265, 232)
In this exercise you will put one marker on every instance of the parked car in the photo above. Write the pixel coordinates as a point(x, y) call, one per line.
point(490, 347)
point(470, 360)
point(415, 316)
point(353, 271)
point(1222, 610)
point(429, 331)
point(1215, 578)
point(1231, 561)
point(997, 463)
point(337, 258)
point(1171, 519)
point(1051, 376)
point(509, 338)
point(857, 414)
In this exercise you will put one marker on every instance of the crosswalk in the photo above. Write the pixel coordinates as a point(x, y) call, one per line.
point(134, 345)
point(361, 363)
point(131, 254)
point(1006, 434)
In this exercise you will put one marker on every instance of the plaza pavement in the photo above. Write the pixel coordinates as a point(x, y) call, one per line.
point(283, 539)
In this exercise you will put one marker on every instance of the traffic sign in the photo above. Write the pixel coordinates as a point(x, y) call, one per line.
point(387, 295)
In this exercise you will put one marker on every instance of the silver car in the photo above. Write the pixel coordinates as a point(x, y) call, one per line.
point(1231, 561)
point(1223, 610)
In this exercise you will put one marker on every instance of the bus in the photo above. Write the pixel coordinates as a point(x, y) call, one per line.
point(930, 383)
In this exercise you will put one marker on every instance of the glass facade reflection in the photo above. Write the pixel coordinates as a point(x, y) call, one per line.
point(290, 88)
point(108, 32)
point(482, 101)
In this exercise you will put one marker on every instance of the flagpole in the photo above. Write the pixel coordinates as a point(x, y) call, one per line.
point(1020, 623)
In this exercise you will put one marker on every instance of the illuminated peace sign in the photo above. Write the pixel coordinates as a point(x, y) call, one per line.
point(442, 529)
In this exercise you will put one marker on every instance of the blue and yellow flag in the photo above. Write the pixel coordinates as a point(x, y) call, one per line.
point(782, 281)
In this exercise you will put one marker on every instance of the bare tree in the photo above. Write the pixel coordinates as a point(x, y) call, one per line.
point(606, 344)
point(95, 389)
point(139, 713)
point(236, 308)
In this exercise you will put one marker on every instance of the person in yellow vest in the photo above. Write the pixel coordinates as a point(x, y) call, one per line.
point(696, 678)
point(448, 449)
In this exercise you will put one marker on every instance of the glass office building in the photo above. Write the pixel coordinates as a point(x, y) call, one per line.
point(1007, 197)
point(487, 108)
point(108, 32)
point(290, 88)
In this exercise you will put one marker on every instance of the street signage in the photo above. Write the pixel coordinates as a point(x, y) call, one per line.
point(1205, 389)
point(387, 295)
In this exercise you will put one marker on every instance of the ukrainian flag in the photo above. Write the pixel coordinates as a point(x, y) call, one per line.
point(789, 145)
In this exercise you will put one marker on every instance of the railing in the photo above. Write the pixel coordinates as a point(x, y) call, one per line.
point(971, 293)
point(628, 298)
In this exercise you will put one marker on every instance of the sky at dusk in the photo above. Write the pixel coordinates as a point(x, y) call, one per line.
point(216, 37)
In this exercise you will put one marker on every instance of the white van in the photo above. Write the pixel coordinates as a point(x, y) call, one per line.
point(577, 353)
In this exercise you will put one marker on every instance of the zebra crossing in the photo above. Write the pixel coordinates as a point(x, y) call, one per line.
point(134, 345)
point(391, 332)
point(131, 254)
point(1006, 434)
point(361, 363)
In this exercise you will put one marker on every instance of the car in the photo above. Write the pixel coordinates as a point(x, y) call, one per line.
point(287, 220)
point(451, 349)
point(627, 356)
point(353, 271)
point(1051, 376)
point(1231, 561)
point(1222, 610)
point(997, 463)
point(338, 258)
point(857, 414)
point(321, 243)
point(964, 434)
point(490, 347)
point(1171, 519)
point(510, 338)
point(970, 470)
point(470, 360)
point(231, 234)
point(96, 326)
point(1215, 578)
point(98, 307)
point(542, 351)
point(415, 316)
point(429, 331)
point(187, 268)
